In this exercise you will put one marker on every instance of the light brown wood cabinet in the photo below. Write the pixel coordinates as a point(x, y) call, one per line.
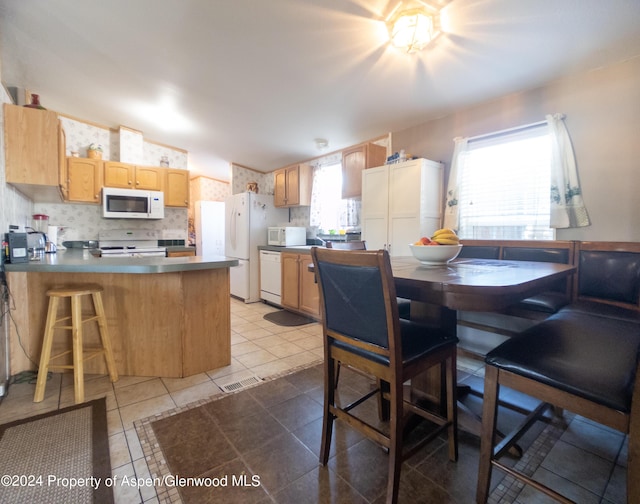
point(356, 159)
point(299, 289)
point(181, 253)
point(130, 176)
point(82, 180)
point(176, 188)
point(33, 139)
point(292, 186)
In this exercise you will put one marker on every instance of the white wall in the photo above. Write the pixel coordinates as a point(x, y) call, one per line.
point(602, 110)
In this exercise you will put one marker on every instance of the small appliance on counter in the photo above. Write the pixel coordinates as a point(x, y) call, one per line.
point(287, 236)
point(16, 247)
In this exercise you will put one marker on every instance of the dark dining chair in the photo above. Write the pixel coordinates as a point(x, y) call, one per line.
point(581, 362)
point(362, 329)
point(404, 305)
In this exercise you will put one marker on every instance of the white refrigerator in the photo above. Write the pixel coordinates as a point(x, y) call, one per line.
point(247, 217)
point(209, 226)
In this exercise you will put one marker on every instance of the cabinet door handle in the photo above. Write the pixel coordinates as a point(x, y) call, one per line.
point(130, 182)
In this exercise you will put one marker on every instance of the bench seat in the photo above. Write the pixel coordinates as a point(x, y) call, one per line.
point(587, 355)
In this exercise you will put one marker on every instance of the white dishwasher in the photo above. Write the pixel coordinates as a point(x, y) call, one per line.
point(270, 277)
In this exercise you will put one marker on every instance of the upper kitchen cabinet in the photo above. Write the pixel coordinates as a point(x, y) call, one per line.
point(83, 180)
point(33, 139)
point(176, 188)
point(133, 177)
point(400, 203)
point(356, 159)
point(292, 186)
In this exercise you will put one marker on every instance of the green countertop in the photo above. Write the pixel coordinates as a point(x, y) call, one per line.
point(82, 261)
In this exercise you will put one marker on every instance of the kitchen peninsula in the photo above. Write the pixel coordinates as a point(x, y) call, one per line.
point(167, 317)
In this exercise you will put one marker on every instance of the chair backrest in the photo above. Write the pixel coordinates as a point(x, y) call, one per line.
point(347, 245)
point(358, 300)
point(608, 272)
point(554, 251)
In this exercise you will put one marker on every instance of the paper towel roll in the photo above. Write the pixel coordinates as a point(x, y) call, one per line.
point(52, 234)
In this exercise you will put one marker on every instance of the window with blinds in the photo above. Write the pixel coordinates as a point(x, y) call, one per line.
point(504, 186)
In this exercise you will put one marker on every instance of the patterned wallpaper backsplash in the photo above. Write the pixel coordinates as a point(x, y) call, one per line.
point(84, 222)
point(123, 144)
point(208, 189)
point(240, 177)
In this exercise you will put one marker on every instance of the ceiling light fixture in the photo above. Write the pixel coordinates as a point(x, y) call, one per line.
point(411, 30)
point(321, 144)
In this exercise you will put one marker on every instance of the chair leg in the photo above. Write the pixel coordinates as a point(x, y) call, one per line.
point(395, 448)
point(104, 336)
point(487, 438)
point(452, 407)
point(633, 457)
point(45, 354)
point(76, 338)
point(328, 418)
point(383, 404)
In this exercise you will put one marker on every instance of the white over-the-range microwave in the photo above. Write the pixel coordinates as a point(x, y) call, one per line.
point(132, 204)
point(287, 236)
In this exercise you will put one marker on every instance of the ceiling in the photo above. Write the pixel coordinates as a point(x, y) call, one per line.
point(255, 82)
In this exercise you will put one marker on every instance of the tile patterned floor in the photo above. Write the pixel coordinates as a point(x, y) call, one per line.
point(587, 460)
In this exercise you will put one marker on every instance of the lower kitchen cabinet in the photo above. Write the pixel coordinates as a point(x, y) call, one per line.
point(181, 253)
point(299, 289)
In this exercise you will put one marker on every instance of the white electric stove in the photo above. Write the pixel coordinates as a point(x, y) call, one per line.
point(130, 243)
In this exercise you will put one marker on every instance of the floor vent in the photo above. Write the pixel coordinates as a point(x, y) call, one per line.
point(240, 384)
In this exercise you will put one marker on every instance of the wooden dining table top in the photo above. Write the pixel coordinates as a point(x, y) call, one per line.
point(474, 284)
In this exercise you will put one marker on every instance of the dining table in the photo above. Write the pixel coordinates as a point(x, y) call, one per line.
point(438, 291)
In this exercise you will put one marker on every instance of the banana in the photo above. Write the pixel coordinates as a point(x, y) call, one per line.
point(443, 231)
point(446, 236)
point(448, 241)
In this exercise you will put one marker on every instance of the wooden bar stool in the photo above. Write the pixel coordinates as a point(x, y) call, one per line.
point(75, 293)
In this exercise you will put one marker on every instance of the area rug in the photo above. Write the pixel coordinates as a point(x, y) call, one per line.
point(262, 443)
point(287, 318)
point(60, 456)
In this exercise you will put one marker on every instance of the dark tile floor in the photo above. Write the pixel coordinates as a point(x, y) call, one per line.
point(269, 436)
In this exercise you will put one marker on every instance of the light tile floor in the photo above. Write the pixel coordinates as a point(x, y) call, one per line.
point(588, 461)
point(258, 347)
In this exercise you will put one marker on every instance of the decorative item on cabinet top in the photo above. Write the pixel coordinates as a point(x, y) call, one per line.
point(35, 102)
point(94, 151)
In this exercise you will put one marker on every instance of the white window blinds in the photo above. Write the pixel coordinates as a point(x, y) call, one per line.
point(503, 190)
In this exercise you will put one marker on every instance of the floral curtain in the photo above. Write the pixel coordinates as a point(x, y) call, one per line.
point(567, 208)
point(328, 210)
point(451, 208)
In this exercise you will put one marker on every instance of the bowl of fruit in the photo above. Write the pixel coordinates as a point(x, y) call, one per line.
point(443, 246)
